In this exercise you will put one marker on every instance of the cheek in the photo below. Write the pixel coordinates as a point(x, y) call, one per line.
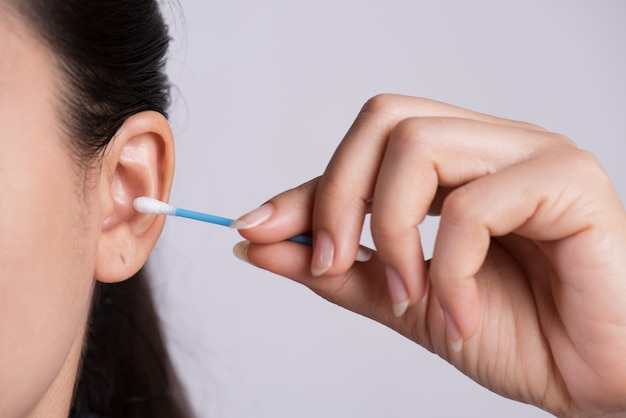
point(48, 240)
point(48, 233)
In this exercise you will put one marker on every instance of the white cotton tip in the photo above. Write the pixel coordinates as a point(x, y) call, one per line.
point(153, 206)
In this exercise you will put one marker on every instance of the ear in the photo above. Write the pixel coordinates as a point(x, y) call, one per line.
point(139, 161)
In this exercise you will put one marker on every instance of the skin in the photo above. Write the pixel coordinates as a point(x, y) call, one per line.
point(526, 288)
point(61, 228)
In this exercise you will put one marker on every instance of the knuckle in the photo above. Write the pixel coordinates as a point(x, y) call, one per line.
point(386, 103)
point(380, 104)
point(460, 207)
point(384, 232)
point(563, 158)
point(389, 236)
point(302, 192)
point(587, 165)
point(562, 140)
point(330, 187)
point(308, 188)
point(414, 132)
point(529, 126)
point(566, 141)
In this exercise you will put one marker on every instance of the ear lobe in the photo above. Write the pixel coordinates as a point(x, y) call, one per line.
point(139, 162)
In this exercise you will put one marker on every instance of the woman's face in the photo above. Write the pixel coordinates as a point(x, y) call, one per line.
point(48, 229)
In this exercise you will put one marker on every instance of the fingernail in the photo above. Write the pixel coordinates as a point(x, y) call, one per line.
point(323, 253)
point(241, 251)
point(254, 218)
point(454, 335)
point(397, 291)
point(364, 254)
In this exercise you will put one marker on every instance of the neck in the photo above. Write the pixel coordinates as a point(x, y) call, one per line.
point(58, 399)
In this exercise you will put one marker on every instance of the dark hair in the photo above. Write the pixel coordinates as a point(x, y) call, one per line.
point(111, 55)
point(126, 370)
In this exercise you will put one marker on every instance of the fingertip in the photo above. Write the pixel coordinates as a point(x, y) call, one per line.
point(323, 253)
point(400, 308)
point(461, 310)
point(363, 254)
point(455, 338)
point(240, 250)
point(254, 218)
point(284, 258)
point(452, 276)
point(326, 259)
point(397, 291)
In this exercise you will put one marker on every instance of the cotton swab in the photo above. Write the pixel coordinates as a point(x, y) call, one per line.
point(153, 206)
point(156, 207)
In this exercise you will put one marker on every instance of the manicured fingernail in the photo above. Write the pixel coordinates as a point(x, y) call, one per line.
point(454, 335)
point(397, 291)
point(323, 253)
point(364, 254)
point(254, 218)
point(241, 251)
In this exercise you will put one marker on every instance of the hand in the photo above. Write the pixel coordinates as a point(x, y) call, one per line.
point(526, 289)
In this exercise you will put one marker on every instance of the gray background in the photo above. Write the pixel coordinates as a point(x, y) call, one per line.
point(265, 92)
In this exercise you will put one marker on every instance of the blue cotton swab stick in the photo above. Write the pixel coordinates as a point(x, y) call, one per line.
point(156, 207)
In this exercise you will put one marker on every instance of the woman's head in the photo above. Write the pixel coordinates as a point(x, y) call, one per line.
point(83, 96)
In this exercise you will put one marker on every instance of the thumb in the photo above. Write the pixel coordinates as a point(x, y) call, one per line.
point(362, 289)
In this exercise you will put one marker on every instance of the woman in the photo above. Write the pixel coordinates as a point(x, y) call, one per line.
point(524, 292)
point(526, 288)
point(83, 99)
